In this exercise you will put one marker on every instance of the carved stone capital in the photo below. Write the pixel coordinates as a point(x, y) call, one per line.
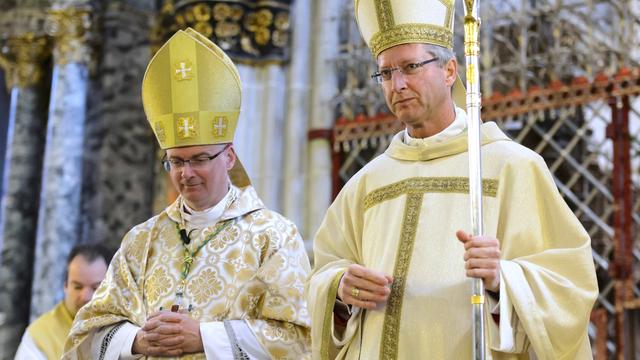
point(21, 57)
point(19, 21)
point(69, 30)
point(248, 31)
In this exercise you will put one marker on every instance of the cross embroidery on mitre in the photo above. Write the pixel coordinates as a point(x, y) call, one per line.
point(220, 125)
point(183, 70)
point(186, 127)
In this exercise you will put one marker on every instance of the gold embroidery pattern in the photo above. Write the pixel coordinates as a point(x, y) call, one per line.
point(244, 295)
point(158, 285)
point(420, 185)
point(408, 33)
point(136, 250)
point(281, 340)
point(385, 14)
point(186, 127)
point(391, 325)
point(160, 133)
point(205, 286)
point(448, 19)
point(276, 265)
point(328, 316)
point(225, 238)
point(285, 332)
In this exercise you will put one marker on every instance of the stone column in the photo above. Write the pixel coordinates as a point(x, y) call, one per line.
point(248, 139)
point(324, 82)
point(59, 213)
point(295, 129)
point(119, 147)
point(260, 129)
point(22, 58)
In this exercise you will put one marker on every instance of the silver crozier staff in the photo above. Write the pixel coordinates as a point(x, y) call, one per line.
point(471, 52)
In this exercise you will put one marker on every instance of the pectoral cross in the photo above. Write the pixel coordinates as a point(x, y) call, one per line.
point(179, 294)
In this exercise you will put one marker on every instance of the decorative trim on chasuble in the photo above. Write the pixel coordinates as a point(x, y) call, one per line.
point(328, 316)
point(414, 188)
point(421, 185)
point(249, 31)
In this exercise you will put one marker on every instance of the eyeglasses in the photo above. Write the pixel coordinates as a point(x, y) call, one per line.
point(408, 69)
point(198, 162)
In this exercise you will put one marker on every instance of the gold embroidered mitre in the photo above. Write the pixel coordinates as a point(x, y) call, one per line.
point(191, 92)
point(387, 23)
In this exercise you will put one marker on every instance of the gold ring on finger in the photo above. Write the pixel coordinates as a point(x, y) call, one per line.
point(355, 292)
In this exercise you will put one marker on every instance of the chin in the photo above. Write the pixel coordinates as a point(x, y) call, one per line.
point(192, 201)
point(191, 191)
point(405, 118)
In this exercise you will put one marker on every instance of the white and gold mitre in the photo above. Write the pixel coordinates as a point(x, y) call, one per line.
point(191, 92)
point(387, 23)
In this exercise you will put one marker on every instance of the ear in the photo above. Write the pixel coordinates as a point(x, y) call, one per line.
point(230, 158)
point(451, 72)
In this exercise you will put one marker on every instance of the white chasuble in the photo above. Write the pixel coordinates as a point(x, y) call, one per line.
point(399, 215)
point(253, 270)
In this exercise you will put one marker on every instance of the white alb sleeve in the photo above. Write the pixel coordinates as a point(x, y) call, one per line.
point(28, 350)
point(231, 340)
point(509, 335)
point(114, 342)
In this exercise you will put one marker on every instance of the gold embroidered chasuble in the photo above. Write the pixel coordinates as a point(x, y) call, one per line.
point(50, 330)
point(399, 215)
point(254, 269)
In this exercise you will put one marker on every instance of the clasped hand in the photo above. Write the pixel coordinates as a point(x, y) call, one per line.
point(168, 334)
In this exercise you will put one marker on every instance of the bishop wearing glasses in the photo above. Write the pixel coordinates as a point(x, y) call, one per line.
point(393, 259)
point(215, 275)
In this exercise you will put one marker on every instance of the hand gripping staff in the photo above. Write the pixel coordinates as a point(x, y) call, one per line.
point(471, 52)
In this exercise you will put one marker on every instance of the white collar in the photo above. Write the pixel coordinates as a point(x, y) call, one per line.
point(194, 219)
point(458, 125)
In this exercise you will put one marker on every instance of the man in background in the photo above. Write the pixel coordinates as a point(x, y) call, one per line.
point(45, 337)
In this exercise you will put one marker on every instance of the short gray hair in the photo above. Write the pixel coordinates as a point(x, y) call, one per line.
point(444, 55)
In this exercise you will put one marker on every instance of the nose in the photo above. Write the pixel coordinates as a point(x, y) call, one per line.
point(187, 170)
point(85, 295)
point(398, 81)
